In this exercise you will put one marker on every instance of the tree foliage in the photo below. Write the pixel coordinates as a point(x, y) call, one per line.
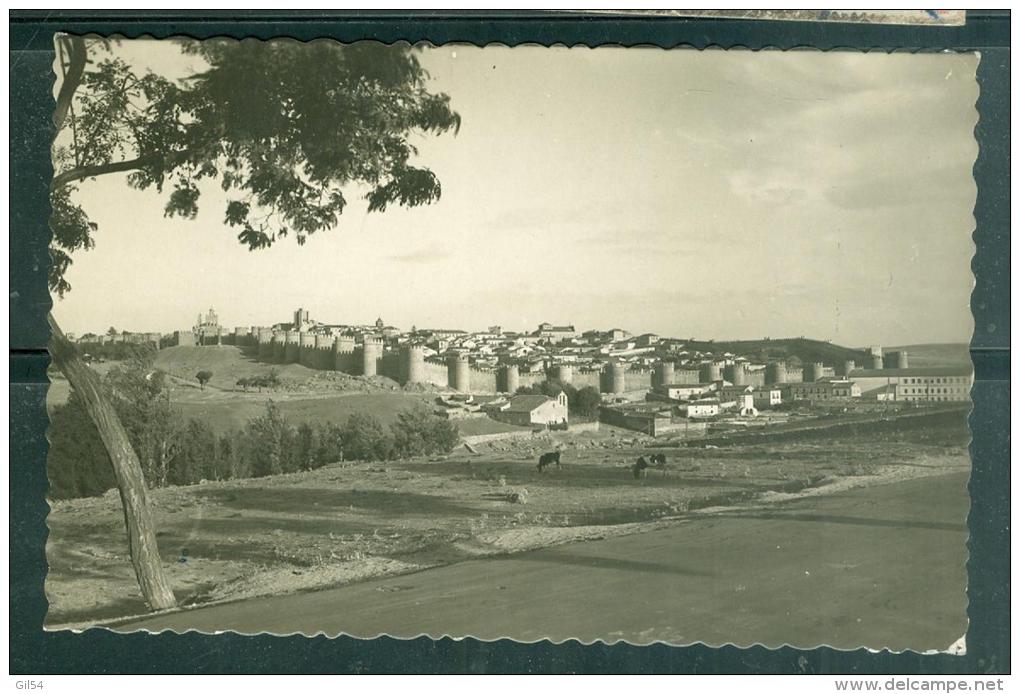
point(582, 402)
point(77, 463)
point(141, 397)
point(177, 452)
point(284, 128)
point(586, 401)
point(418, 432)
point(365, 438)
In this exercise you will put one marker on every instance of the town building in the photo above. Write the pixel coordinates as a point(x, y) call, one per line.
point(766, 397)
point(826, 389)
point(548, 331)
point(647, 417)
point(527, 410)
point(681, 391)
point(701, 409)
point(925, 384)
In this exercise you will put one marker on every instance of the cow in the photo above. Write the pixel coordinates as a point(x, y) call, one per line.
point(548, 459)
point(659, 460)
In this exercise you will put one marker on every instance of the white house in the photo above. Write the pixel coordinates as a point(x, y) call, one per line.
point(767, 396)
point(699, 409)
point(525, 410)
point(688, 391)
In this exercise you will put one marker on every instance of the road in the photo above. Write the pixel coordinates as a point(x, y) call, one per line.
point(879, 567)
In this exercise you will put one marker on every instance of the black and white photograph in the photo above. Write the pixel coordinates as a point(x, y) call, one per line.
point(606, 344)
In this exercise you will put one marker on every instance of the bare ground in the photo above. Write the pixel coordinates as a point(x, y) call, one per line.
point(225, 541)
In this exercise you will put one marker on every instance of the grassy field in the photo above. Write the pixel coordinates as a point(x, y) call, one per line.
point(346, 522)
point(232, 412)
point(306, 395)
point(227, 364)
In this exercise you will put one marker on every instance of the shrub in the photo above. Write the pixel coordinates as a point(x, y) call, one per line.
point(196, 459)
point(364, 438)
point(77, 464)
point(331, 445)
point(418, 432)
point(262, 442)
point(586, 402)
point(307, 444)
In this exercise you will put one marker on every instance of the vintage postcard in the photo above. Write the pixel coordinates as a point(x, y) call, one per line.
point(611, 344)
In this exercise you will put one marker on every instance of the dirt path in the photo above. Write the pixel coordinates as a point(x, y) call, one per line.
point(878, 567)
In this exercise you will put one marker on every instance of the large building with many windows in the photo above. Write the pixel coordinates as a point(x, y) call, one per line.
point(927, 384)
point(825, 389)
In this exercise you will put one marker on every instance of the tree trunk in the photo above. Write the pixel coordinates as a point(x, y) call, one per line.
point(130, 480)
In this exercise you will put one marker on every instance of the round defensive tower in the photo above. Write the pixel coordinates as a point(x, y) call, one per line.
point(898, 360)
point(710, 373)
point(458, 373)
point(343, 353)
point(279, 346)
point(307, 354)
point(564, 373)
point(617, 377)
point(412, 366)
point(292, 353)
point(813, 372)
point(848, 366)
point(877, 362)
point(735, 374)
point(371, 353)
point(265, 337)
point(323, 352)
point(665, 373)
point(510, 378)
point(775, 372)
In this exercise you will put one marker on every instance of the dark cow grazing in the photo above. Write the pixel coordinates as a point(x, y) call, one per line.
point(548, 459)
point(640, 468)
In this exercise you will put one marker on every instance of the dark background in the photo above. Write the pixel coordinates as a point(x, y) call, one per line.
point(99, 651)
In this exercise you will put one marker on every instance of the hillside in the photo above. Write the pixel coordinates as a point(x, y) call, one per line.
point(227, 364)
point(937, 354)
point(785, 349)
point(224, 414)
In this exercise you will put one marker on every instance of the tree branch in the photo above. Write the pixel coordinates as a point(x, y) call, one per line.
point(83, 172)
point(77, 54)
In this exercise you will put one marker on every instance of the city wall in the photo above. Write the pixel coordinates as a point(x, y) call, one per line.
point(409, 365)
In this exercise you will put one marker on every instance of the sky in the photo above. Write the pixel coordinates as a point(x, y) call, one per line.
point(710, 194)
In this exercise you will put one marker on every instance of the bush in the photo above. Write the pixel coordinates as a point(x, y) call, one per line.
point(203, 377)
point(586, 402)
point(307, 445)
point(196, 459)
point(364, 438)
point(331, 445)
point(271, 381)
point(117, 351)
point(262, 442)
point(418, 432)
point(582, 403)
point(77, 464)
